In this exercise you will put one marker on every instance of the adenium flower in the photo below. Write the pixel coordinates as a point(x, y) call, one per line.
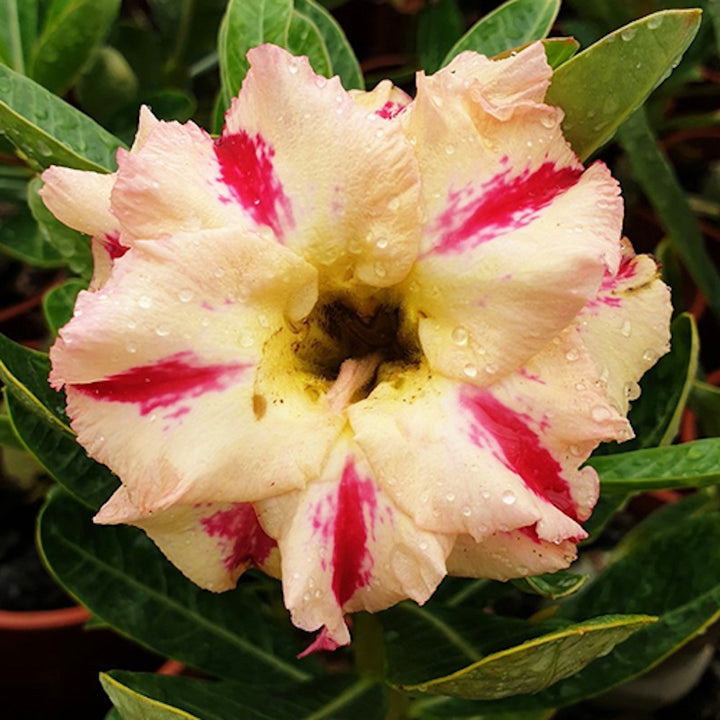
point(358, 341)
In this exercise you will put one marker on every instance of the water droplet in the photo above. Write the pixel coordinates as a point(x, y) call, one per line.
point(581, 385)
point(650, 356)
point(423, 545)
point(575, 450)
point(490, 369)
point(549, 121)
point(162, 330)
point(219, 272)
point(628, 34)
point(467, 511)
point(508, 497)
point(263, 320)
point(626, 329)
point(380, 269)
point(320, 81)
point(460, 336)
point(655, 21)
point(572, 355)
point(144, 301)
point(632, 391)
point(600, 413)
point(318, 593)
point(450, 149)
point(131, 323)
point(379, 133)
point(470, 370)
point(131, 347)
point(450, 497)
point(185, 295)
point(293, 68)
point(486, 495)
point(381, 243)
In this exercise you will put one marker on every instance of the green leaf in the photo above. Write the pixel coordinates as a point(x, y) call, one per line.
point(559, 50)
point(8, 436)
point(538, 663)
point(304, 38)
point(659, 182)
point(18, 28)
point(25, 374)
point(439, 26)
point(119, 574)
point(514, 23)
point(713, 10)
point(551, 585)
point(705, 403)
point(55, 448)
point(656, 414)
point(327, 699)
point(342, 58)
point(72, 32)
point(20, 237)
point(48, 131)
point(246, 24)
point(642, 53)
point(59, 302)
point(674, 575)
point(71, 247)
point(606, 507)
point(693, 464)
point(131, 704)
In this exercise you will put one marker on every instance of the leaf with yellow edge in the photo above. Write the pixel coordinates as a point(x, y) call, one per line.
point(537, 663)
point(131, 704)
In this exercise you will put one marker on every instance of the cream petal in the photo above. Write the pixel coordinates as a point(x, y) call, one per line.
point(458, 460)
point(518, 235)
point(164, 370)
point(210, 543)
point(346, 547)
point(626, 328)
point(345, 179)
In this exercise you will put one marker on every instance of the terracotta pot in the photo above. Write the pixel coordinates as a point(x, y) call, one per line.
point(49, 664)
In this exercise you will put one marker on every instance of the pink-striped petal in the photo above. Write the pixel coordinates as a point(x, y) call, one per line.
point(211, 543)
point(349, 180)
point(346, 547)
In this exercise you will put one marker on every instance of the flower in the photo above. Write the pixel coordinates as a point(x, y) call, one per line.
point(357, 341)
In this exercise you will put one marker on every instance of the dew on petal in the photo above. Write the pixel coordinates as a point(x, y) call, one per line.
point(601, 413)
point(632, 391)
point(460, 336)
point(626, 329)
point(509, 497)
point(186, 295)
point(470, 370)
point(144, 301)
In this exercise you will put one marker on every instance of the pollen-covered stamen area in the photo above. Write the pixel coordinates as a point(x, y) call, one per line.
point(336, 331)
point(503, 204)
point(508, 436)
point(246, 167)
point(163, 383)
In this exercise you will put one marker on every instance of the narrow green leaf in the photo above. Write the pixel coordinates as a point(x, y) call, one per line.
point(8, 436)
point(55, 448)
point(693, 464)
point(552, 585)
point(705, 402)
point(440, 25)
point(538, 663)
point(20, 237)
point(674, 575)
point(59, 302)
point(246, 24)
point(342, 57)
point(514, 23)
point(304, 38)
point(131, 704)
point(659, 182)
point(18, 28)
point(25, 374)
point(713, 9)
point(119, 574)
point(47, 131)
point(642, 53)
point(71, 247)
point(326, 699)
point(560, 50)
point(72, 32)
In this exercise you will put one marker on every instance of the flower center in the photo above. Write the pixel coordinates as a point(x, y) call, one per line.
point(351, 346)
